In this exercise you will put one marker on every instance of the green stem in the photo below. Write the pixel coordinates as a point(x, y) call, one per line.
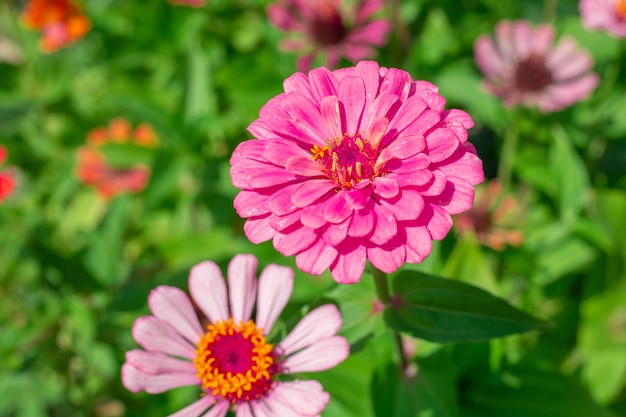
point(507, 156)
point(382, 286)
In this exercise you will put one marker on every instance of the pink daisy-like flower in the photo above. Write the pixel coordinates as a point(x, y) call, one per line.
point(231, 360)
point(338, 27)
point(609, 15)
point(354, 164)
point(522, 67)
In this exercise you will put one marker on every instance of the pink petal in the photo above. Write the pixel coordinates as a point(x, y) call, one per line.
point(158, 363)
point(250, 174)
point(457, 197)
point(386, 227)
point(388, 257)
point(321, 355)
point(359, 198)
point(310, 191)
point(304, 166)
point(489, 60)
point(386, 187)
point(324, 321)
point(329, 108)
point(172, 305)
point(573, 67)
point(349, 265)
point(208, 290)
point(299, 83)
point(244, 410)
point(279, 151)
point(352, 96)
point(281, 223)
point(242, 286)
point(408, 205)
point(458, 121)
point(294, 239)
point(136, 381)
point(280, 201)
point(337, 209)
point(317, 258)
point(307, 398)
point(522, 38)
point(362, 223)
point(196, 408)
point(275, 286)
point(249, 149)
point(307, 118)
point(219, 410)
point(258, 229)
point(440, 223)
point(251, 203)
point(323, 83)
point(442, 142)
point(274, 408)
point(155, 335)
point(419, 243)
point(464, 164)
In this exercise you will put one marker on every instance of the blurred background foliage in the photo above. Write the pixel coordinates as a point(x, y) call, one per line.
point(76, 269)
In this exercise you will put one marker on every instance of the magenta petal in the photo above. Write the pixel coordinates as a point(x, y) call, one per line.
point(251, 174)
point(437, 186)
point(275, 286)
point(359, 198)
point(250, 149)
point(329, 107)
point(242, 286)
point(386, 187)
point(349, 264)
point(244, 410)
point(258, 229)
point(196, 408)
point(336, 233)
point(324, 321)
point(208, 289)
point(440, 223)
point(310, 191)
point(279, 151)
point(172, 305)
point(304, 166)
point(135, 380)
point(464, 163)
point(442, 142)
point(280, 223)
point(155, 335)
point(321, 355)
point(457, 197)
point(306, 398)
point(458, 121)
point(317, 258)
point(280, 201)
point(294, 239)
point(386, 226)
point(408, 205)
point(419, 243)
point(352, 95)
point(323, 83)
point(362, 223)
point(388, 257)
point(299, 83)
point(337, 209)
point(250, 203)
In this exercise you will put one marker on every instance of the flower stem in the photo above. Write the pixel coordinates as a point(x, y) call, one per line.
point(507, 156)
point(382, 286)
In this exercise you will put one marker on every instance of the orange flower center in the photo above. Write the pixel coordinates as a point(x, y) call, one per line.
point(347, 160)
point(234, 361)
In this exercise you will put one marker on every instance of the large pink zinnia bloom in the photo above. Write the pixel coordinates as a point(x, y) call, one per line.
point(609, 15)
point(522, 67)
point(337, 27)
point(354, 164)
point(231, 360)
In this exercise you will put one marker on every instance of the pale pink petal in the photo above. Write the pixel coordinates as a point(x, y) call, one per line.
point(208, 289)
point(324, 321)
point(219, 409)
point(156, 335)
point(158, 363)
point(321, 355)
point(136, 381)
point(275, 286)
point(196, 408)
point(307, 398)
point(278, 408)
point(242, 286)
point(173, 306)
point(244, 410)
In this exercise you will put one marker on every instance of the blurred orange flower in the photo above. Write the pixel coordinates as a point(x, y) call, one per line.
point(493, 218)
point(93, 168)
point(7, 179)
point(60, 22)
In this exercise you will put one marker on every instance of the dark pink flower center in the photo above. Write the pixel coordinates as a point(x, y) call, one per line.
point(347, 160)
point(532, 74)
point(235, 362)
point(327, 26)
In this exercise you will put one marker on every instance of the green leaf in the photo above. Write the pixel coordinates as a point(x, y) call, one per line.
point(443, 310)
point(530, 393)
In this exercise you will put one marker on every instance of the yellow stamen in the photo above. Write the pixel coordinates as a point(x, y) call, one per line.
point(318, 152)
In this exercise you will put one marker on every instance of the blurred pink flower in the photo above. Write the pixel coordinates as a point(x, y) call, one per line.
point(337, 27)
point(232, 361)
point(494, 218)
point(522, 67)
point(609, 15)
point(190, 3)
point(354, 164)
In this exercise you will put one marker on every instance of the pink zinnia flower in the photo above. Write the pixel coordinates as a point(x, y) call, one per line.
point(521, 66)
point(231, 360)
point(354, 164)
point(338, 27)
point(609, 15)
